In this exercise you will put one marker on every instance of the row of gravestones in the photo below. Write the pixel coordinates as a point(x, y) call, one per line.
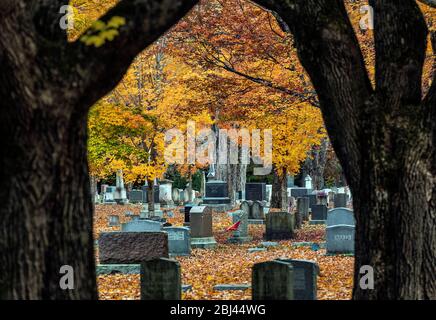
point(280, 279)
point(126, 247)
point(178, 196)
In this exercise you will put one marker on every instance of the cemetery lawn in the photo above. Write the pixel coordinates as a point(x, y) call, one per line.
point(229, 263)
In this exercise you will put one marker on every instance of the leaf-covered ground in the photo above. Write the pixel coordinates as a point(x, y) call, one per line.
point(230, 263)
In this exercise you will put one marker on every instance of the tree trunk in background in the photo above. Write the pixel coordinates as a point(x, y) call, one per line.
point(150, 194)
point(279, 197)
point(316, 163)
point(384, 138)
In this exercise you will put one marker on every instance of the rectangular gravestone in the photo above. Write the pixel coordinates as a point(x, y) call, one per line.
point(319, 212)
point(131, 247)
point(313, 200)
point(279, 226)
point(340, 200)
point(340, 239)
point(303, 208)
point(161, 280)
point(136, 196)
point(216, 193)
point(240, 235)
point(179, 241)
point(257, 210)
point(255, 191)
point(187, 213)
point(305, 278)
point(156, 194)
point(272, 280)
point(299, 192)
point(141, 225)
point(340, 216)
point(114, 221)
point(201, 227)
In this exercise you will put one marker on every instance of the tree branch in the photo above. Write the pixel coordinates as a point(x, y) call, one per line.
point(329, 51)
point(96, 71)
point(400, 34)
point(431, 3)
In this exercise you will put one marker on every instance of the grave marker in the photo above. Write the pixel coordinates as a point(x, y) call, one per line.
point(131, 247)
point(161, 280)
point(272, 280)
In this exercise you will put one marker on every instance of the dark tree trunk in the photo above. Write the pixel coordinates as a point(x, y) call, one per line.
point(279, 196)
point(316, 163)
point(383, 137)
point(47, 86)
point(150, 194)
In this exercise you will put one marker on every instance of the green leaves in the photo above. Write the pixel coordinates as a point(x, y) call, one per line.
point(101, 31)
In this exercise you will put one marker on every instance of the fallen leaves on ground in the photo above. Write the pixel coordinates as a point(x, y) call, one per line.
point(230, 263)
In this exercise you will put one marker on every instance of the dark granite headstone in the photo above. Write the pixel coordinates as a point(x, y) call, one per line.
point(299, 192)
point(305, 278)
point(319, 212)
point(131, 247)
point(279, 226)
point(156, 194)
point(255, 191)
point(303, 208)
point(187, 212)
point(161, 280)
point(136, 196)
point(313, 200)
point(216, 193)
point(273, 280)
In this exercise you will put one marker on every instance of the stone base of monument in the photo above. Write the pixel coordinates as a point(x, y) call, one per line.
point(256, 221)
point(102, 269)
point(278, 235)
point(203, 243)
point(239, 239)
point(219, 208)
point(317, 222)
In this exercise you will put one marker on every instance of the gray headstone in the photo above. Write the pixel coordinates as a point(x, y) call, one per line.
point(340, 216)
point(279, 226)
point(272, 280)
point(201, 222)
point(257, 210)
point(141, 226)
point(340, 239)
point(161, 280)
point(340, 200)
point(305, 278)
point(131, 247)
point(240, 235)
point(179, 240)
point(246, 207)
point(114, 221)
